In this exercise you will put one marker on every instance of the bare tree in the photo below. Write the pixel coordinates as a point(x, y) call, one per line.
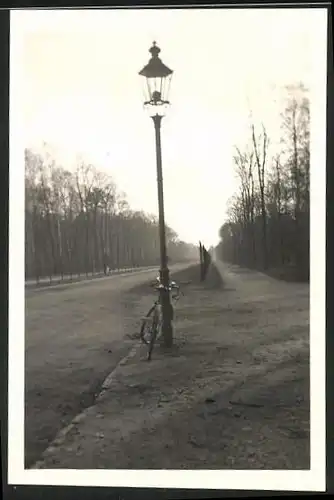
point(244, 163)
point(260, 158)
point(295, 141)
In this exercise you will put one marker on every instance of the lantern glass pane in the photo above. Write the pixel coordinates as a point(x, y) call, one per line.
point(163, 89)
point(156, 83)
point(152, 85)
point(167, 82)
point(146, 89)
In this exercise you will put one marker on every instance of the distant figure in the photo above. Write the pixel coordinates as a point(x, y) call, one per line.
point(106, 269)
point(105, 263)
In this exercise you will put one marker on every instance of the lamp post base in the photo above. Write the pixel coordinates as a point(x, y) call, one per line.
point(167, 309)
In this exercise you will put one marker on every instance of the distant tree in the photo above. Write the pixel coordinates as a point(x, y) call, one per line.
point(267, 219)
point(261, 158)
point(78, 222)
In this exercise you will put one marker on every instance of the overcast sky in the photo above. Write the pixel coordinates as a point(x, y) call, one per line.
point(81, 93)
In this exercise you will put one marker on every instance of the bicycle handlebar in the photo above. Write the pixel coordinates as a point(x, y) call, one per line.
point(159, 286)
point(171, 286)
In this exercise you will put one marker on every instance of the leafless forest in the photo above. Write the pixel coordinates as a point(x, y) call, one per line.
point(77, 222)
point(268, 218)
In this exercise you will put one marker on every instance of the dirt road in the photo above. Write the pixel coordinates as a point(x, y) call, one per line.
point(233, 393)
point(74, 335)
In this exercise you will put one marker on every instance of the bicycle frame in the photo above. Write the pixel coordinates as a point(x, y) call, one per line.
point(155, 313)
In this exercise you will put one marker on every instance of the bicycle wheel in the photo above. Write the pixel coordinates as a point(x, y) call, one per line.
point(154, 334)
point(146, 326)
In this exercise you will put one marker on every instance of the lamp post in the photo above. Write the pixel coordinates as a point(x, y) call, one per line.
point(158, 78)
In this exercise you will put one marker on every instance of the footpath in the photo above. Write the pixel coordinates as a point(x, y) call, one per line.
point(233, 392)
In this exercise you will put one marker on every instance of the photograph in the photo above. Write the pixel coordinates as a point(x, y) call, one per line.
point(167, 225)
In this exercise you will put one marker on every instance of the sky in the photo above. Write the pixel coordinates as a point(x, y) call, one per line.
point(81, 93)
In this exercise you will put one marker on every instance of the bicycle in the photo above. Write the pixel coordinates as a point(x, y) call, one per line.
point(151, 327)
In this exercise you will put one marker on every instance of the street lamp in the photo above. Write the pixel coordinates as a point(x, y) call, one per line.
point(158, 78)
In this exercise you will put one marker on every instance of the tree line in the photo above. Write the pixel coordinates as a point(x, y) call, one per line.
point(268, 218)
point(77, 222)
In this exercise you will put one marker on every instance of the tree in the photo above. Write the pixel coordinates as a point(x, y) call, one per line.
point(296, 150)
point(244, 163)
point(260, 158)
